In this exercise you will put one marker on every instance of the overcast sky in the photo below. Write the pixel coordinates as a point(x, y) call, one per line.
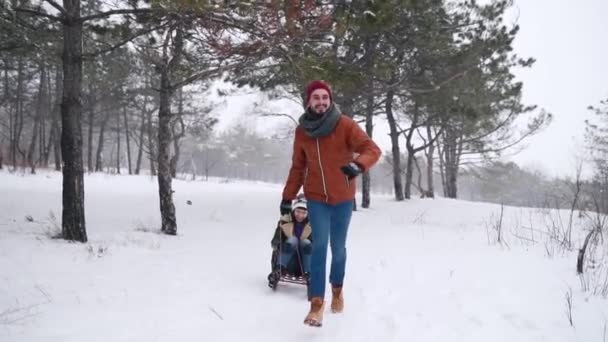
point(569, 41)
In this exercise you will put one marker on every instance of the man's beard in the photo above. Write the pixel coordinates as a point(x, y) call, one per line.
point(320, 109)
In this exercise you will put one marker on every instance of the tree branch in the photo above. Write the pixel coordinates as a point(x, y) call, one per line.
point(495, 129)
point(427, 144)
point(437, 87)
point(113, 12)
point(496, 150)
point(40, 14)
point(428, 122)
point(20, 22)
point(415, 90)
point(58, 7)
point(430, 142)
point(207, 73)
point(122, 43)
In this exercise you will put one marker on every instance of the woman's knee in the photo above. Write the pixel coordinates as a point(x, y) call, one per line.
point(306, 245)
point(290, 244)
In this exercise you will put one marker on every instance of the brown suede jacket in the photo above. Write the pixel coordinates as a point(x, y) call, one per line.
point(316, 162)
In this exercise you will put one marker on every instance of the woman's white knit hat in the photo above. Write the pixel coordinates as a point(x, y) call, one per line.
point(299, 203)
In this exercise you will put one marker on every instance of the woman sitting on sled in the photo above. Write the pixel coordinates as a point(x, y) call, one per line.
point(292, 245)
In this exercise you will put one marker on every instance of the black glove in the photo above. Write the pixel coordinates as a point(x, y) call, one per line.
point(352, 170)
point(285, 207)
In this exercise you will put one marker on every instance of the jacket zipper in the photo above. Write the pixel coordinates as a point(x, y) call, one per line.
point(347, 182)
point(322, 174)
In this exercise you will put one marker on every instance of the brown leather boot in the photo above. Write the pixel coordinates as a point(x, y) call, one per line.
point(315, 316)
point(337, 299)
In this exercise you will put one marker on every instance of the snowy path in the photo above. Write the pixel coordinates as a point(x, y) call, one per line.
point(417, 271)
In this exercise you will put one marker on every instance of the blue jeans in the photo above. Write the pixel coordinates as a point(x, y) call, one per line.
point(292, 246)
point(329, 226)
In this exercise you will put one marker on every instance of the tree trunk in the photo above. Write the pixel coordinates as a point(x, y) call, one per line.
point(46, 147)
point(11, 139)
point(177, 136)
point(365, 184)
point(91, 125)
point(11, 118)
point(369, 129)
point(151, 146)
point(429, 165)
point(411, 153)
point(56, 118)
point(14, 119)
point(447, 147)
point(41, 141)
point(51, 141)
point(124, 113)
point(440, 152)
point(100, 143)
point(174, 158)
point(19, 128)
point(396, 152)
point(140, 150)
point(42, 151)
point(18, 120)
point(451, 163)
point(39, 108)
point(118, 143)
point(207, 165)
point(5, 97)
point(73, 219)
point(167, 209)
point(452, 178)
point(409, 173)
point(456, 166)
point(193, 166)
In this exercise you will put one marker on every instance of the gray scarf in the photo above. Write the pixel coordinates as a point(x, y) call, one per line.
point(320, 125)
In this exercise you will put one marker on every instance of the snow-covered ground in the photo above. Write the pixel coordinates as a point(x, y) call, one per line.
point(421, 270)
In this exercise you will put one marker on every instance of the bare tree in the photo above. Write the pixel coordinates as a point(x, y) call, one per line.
point(70, 17)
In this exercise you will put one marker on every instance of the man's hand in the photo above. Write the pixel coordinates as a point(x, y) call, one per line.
point(352, 170)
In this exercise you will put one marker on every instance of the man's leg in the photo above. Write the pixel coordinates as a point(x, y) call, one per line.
point(340, 220)
point(341, 215)
point(319, 216)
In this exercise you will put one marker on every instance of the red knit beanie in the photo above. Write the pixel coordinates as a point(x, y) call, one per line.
point(314, 85)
